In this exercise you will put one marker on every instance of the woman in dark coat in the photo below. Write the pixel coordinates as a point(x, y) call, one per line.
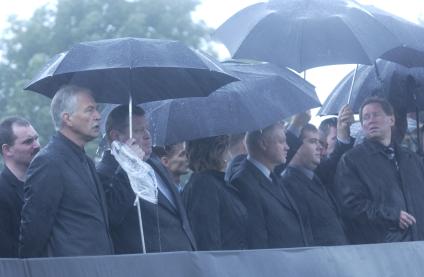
point(216, 214)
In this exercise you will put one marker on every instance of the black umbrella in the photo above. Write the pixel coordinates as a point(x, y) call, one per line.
point(411, 52)
point(146, 69)
point(409, 56)
point(303, 34)
point(265, 95)
point(403, 87)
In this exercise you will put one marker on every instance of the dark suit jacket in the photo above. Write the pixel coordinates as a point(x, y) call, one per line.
point(65, 211)
point(273, 218)
point(166, 228)
point(11, 201)
point(372, 193)
point(316, 207)
point(216, 214)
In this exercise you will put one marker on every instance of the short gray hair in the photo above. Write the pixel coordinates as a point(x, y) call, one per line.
point(253, 137)
point(65, 101)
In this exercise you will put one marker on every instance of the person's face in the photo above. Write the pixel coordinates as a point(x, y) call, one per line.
point(85, 121)
point(25, 146)
point(275, 146)
point(309, 153)
point(375, 123)
point(330, 142)
point(141, 134)
point(178, 162)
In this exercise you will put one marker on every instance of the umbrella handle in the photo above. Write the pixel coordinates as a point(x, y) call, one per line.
point(140, 222)
point(351, 85)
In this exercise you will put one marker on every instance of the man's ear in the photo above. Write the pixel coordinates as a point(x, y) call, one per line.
point(66, 118)
point(263, 144)
point(392, 120)
point(5, 149)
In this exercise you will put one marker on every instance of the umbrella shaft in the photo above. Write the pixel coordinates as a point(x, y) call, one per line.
point(140, 221)
point(130, 112)
point(351, 85)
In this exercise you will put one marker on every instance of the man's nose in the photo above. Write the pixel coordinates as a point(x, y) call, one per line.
point(97, 115)
point(36, 144)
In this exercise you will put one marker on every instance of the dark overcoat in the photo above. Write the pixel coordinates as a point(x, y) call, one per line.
point(216, 214)
point(11, 201)
point(273, 217)
point(166, 227)
point(372, 192)
point(64, 213)
point(316, 207)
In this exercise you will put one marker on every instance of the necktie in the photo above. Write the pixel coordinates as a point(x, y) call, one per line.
point(391, 155)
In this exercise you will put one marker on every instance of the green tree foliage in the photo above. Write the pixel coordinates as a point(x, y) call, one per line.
point(28, 44)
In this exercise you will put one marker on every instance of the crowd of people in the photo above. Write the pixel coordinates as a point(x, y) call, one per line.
point(286, 185)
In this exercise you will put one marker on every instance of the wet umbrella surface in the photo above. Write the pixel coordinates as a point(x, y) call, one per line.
point(303, 34)
point(146, 69)
point(404, 87)
point(265, 95)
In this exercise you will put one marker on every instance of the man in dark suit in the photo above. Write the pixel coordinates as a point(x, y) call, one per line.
point(165, 224)
point(315, 204)
point(19, 144)
point(273, 217)
point(65, 213)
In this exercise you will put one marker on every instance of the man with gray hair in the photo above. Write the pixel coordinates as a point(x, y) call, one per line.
point(64, 213)
point(273, 218)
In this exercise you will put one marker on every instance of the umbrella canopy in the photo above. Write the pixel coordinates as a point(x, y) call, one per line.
point(409, 56)
point(411, 52)
point(303, 34)
point(265, 95)
point(146, 69)
point(403, 87)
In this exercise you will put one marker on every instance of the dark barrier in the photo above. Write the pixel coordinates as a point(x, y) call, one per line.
point(396, 259)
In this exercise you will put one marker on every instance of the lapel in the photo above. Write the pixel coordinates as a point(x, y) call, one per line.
point(273, 189)
point(101, 193)
point(315, 186)
point(75, 163)
point(162, 200)
point(306, 236)
point(77, 166)
point(179, 208)
point(279, 192)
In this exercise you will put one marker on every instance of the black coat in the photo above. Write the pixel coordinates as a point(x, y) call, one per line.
point(372, 194)
point(316, 207)
point(166, 227)
point(273, 218)
point(216, 214)
point(327, 168)
point(11, 201)
point(65, 211)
